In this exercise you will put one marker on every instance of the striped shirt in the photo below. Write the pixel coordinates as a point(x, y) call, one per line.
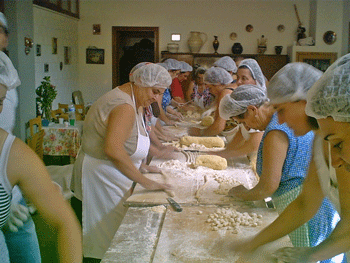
point(5, 187)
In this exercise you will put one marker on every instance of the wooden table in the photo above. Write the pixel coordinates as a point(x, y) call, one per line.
point(152, 231)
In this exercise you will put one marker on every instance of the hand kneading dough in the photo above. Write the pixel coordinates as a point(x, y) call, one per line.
point(209, 142)
point(207, 121)
point(212, 161)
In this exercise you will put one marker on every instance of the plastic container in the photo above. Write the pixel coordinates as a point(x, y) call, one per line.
point(71, 115)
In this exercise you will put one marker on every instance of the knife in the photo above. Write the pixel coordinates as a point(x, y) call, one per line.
point(174, 204)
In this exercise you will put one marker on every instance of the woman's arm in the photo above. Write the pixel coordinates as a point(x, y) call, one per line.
point(274, 155)
point(297, 213)
point(217, 126)
point(239, 147)
point(26, 170)
point(120, 124)
point(339, 240)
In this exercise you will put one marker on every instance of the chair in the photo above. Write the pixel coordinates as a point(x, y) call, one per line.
point(59, 174)
point(56, 114)
point(63, 107)
point(77, 97)
point(79, 112)
point(35, 140)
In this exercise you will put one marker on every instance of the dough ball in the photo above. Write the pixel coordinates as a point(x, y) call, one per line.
point(207, 121)
point(209, 142)
point(212, 161)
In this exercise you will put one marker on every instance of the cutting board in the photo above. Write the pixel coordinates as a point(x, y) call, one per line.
point(186, 237)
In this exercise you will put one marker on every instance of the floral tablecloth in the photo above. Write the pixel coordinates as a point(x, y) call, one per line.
point(60, 140)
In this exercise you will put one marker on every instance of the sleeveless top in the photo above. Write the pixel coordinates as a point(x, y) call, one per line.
point(5, 186)
point(297, 160)
point(326, 174)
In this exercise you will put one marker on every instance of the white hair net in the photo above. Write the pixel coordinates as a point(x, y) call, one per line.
point(226, 63)
point(152, 75)
point(3, 20)
point(164, 65)
point(173, 64)
point(185, 67)
point(8, 73)
point(330, 95)
point(238, 101)
point(217, 76)
point(137, 66)
point(255, 70)
point(292, 82)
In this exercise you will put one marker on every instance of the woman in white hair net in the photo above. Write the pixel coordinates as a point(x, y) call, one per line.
point(21, 166)
point(228, 64)
point(282, 159)
point(177, 91)
point(219, 82)
point(198, 92)
point(287, 93)
point(249, 72)
point(114, 143)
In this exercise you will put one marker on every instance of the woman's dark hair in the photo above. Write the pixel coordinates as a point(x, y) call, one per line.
point(312, 122)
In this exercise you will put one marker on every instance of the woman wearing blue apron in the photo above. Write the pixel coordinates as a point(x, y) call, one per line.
point(115, 142)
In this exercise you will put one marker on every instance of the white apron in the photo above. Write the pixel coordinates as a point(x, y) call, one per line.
point(104, 191)
point(326, 174)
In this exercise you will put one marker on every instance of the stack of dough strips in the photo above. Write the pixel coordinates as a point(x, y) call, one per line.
point(191, 156)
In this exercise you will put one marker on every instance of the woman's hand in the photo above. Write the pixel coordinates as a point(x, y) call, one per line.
point(153, 185)
point(237, 192)
point(294, 254)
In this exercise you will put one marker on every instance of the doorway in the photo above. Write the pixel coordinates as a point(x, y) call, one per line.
point(130, 46)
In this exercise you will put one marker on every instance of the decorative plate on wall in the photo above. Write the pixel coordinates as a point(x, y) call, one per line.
point(280, 28)
point(249, 28)
point(233, 36)
point(329, 37)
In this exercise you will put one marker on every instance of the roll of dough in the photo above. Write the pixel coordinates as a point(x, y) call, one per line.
point(212, 161)
point(209, 142)
point(207, 121)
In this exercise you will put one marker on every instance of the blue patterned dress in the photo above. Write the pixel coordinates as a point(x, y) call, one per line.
point(294, 171)
point(166, 99)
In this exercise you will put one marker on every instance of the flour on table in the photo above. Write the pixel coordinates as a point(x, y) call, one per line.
point(158, 208)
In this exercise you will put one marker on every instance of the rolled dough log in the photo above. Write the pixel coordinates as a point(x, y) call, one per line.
point(209, 142)
point(212, 161)
point(207, 121)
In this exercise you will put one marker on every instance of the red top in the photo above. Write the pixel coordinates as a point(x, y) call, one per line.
point(176, 89)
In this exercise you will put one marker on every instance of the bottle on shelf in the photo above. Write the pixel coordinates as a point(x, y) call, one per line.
point(71, 115)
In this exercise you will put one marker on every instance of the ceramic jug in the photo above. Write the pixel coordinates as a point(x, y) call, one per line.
point(195, 42)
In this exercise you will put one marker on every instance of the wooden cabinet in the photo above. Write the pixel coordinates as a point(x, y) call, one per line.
point(269, 64)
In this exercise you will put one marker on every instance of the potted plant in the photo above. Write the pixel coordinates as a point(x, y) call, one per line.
point(46, 93)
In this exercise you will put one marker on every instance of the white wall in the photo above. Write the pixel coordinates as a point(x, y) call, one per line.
point(214, 17)
point(49, 24)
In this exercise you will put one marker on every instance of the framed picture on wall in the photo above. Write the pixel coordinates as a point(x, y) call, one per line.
point(95, 56)
point(320, 60)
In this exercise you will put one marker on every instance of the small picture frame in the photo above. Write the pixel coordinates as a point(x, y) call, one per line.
point(54, 45)
point(67, 55)
point(96, 29)
point(38, 50)
point(95, 56)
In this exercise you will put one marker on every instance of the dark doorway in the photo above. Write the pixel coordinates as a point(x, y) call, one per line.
point(130, 46)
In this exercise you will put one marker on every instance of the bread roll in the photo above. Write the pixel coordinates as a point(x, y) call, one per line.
point(212, 161)
point(209, 142)
point(207, 121)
